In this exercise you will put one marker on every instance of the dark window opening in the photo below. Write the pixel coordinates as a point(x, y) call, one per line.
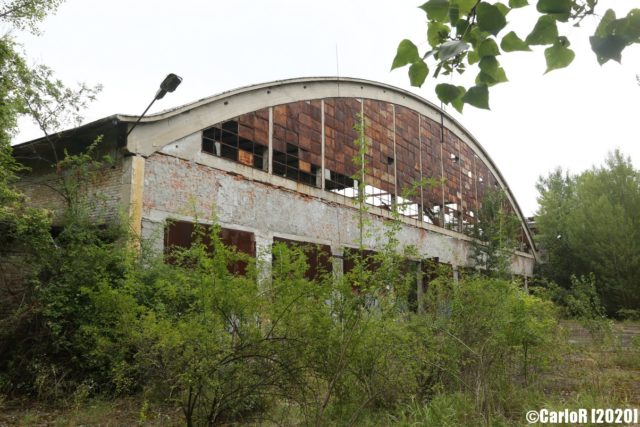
point(350, 258)
point(340, 183)
point(318, 257)
point(182, 234)
point(224, 140)
point(290, 164)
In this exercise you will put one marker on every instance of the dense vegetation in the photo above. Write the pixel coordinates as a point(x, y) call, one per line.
point(589, 224)
point(89, 312)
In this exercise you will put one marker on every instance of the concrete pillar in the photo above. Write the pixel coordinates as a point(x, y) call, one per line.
point(456, 274)
point(526, 284)
point(264, 258)
point(337, 254)
point(132, 192)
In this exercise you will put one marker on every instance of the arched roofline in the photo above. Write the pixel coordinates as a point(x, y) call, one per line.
point(157, 130)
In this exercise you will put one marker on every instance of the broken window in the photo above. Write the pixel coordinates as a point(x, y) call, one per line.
point(182, 234)
point(351, 256)
point(244, 139)
point(290, 164)
point(297, 142)
point(318, 257)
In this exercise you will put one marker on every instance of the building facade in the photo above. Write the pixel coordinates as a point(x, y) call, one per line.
point(275, 162)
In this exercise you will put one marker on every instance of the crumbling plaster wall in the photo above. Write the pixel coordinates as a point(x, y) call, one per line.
point(181, 182)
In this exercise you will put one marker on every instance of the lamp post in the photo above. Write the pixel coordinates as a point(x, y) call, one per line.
point(169, 84)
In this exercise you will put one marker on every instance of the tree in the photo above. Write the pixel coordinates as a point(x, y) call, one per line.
point(589, 223)
point(495, 235)
point(32, 91)
point(462, 33)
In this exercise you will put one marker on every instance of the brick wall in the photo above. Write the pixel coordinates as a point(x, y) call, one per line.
point(103, 192)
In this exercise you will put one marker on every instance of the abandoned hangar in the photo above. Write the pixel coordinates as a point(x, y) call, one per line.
point(274, 162)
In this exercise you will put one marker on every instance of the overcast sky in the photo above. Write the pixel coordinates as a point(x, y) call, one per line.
point(569, 118)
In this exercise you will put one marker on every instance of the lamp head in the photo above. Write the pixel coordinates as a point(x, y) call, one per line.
point(169, 84)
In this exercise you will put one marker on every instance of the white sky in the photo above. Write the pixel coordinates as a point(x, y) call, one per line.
point(569, 118)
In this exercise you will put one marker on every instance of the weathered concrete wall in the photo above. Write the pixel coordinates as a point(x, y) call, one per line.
point(247, 199)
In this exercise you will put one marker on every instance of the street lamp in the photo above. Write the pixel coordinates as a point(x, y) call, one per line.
point(169, 84)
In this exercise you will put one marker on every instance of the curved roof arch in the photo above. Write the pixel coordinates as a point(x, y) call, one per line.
point(157, 130)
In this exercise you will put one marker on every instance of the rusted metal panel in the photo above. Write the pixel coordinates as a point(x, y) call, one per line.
point(431, 162)
point(245, 157)
point(340, 148)
point(378, 117)
point(407, 150)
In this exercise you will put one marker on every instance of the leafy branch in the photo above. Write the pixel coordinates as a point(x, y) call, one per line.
point(463, 33)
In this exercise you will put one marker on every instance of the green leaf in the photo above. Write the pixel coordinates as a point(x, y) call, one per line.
point(464, 6)
point(559, 9)
point(512, 43)
point(437, 10)
point(447, 93)
point(472, 57)
point(490, 18)
point(602, 29)
point(504, 9)
point(478, 96)
point(475, 36)
point(407, 54)
point(454, 13)
point(489, 65)
point(458, 103)
point(544, 32)
point(461, 27)
point(499, 76)
point(517, 3)
point(488, 48)
point(451, 48)
point(418, 73)
point(437, 33)
point(628, 27)
point(606, 48)
point(558, 56)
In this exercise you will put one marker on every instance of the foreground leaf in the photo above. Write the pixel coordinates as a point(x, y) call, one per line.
point(407, 54)
point(559, 9)
point(450, 94)
point(437, 33)
point(512, 43)
point(488, 48)
point(478, 96)
point(518, 3)
point(607, 48)
point(558, 56)
point(437, 10)
point(490, 18)
point(544, 32)
point(418, 73)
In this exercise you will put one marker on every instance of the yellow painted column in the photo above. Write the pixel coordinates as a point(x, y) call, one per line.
point(136, 194)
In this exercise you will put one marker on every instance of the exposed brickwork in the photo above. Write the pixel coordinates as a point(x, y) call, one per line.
point(104, 192)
